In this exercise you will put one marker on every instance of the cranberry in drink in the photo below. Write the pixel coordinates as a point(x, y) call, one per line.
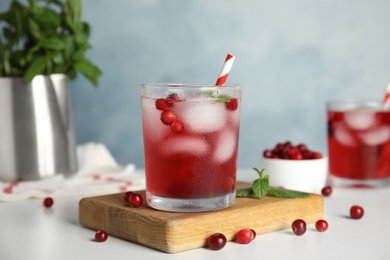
point(190, 144)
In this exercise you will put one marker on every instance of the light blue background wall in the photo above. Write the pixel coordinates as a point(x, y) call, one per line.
point(292, 56)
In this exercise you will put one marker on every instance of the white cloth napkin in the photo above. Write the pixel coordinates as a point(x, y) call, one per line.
point(98, 174)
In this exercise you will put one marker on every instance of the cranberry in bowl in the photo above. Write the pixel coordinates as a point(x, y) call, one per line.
point(295, 167)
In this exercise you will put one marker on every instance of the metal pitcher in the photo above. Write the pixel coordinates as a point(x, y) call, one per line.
point(37, 137)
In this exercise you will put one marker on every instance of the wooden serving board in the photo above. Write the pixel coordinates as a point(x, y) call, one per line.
point(175, 232)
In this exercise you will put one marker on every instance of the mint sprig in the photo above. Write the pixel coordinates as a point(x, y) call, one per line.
point(282, 193)
point(261, 188)
point(221, 97)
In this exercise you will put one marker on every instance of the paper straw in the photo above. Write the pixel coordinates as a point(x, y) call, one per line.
point(225, 70)
point(386, 101)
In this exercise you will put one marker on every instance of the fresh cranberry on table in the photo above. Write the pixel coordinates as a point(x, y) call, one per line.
point(216, 241)
point(321, 225)
point(326, 191)
point(298, 227)
point(101, 236)
point(136, 200)
point(245, 236)
point(356, 212)
point(48, 202)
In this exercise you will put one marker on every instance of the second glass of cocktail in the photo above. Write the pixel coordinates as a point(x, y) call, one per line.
point(358, 143)
point(190, 136)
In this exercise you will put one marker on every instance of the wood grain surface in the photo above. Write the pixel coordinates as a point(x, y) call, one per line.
point(173, 232)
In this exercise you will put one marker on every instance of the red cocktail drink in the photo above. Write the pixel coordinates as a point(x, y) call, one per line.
point(358, 143)
point(190, 145)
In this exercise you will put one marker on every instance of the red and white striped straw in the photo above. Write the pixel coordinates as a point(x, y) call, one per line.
point(225, 70)
point(386, 101)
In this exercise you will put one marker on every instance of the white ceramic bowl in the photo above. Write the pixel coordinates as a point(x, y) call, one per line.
point(301, 175)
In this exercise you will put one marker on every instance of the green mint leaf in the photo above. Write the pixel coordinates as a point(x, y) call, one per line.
point(90, 71)
point(221, 98)
point(40, 37)
point(259, 172)
point(260, 187)
point(53, 43)
point(75, 8)
point(244, 193)
point(281, 193)
point(209, 93)
point(36, 67)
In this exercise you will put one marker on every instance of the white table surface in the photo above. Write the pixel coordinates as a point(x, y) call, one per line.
point(30, 231)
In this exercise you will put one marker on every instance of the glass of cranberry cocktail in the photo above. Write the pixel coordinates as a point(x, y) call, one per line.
point(190, 136)
point(358, 143)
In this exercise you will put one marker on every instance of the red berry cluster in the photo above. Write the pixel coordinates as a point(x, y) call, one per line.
point(356, 212)
point(299, 226)
point(218, 240)
point(168, 116)
point(135, 199)
point(289, 151)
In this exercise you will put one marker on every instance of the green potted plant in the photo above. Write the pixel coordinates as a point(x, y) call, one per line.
point(45, 37)
point(42, 45)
